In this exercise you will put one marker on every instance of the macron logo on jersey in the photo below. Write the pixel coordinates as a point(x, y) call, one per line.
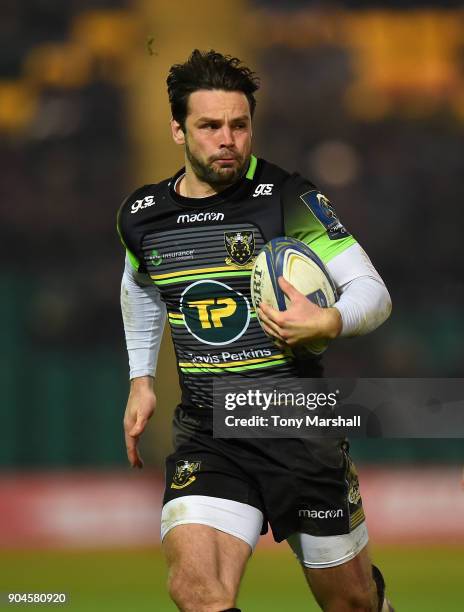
point(141, 204)
point(263, 189)
point(202, 216)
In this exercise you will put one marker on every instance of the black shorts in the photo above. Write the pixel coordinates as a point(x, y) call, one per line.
point(300, 485)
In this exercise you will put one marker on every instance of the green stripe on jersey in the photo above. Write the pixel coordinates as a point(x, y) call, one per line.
point(252, 168)
point(133, 260)
point(181, 279)
point(219, 370)
point(176, 321)
point(327, 249)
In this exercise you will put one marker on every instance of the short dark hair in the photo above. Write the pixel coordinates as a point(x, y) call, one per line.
point(208, 70)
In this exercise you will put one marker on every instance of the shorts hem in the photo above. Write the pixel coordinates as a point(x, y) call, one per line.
point(208, 524)
point(361, 544)
point(334, 563)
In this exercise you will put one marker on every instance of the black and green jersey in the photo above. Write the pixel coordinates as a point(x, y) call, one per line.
point(199, 253)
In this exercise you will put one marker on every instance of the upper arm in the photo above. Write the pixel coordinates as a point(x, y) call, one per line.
point(140, 278)
point(351, 264)
point(310, 217)
point(129, 234)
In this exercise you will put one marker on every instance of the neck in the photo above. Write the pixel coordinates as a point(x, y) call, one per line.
point(191, 186)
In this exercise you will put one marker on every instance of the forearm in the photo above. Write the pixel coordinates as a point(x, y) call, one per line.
point(144, 316)
point(364, 305)
point(364, 302)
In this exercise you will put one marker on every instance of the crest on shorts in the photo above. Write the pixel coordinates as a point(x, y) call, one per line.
point(185, 473)
point(240, 247)
point(354, 494)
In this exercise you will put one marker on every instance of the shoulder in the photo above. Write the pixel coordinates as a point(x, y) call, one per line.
point(139, 204)
point(289, 182)
point(142, 198)
point(296, 184)
point(267, 171)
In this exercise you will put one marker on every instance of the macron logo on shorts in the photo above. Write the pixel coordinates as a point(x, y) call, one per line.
point(321, 514)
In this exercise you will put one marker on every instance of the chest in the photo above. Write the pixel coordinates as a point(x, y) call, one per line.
point(185, 247)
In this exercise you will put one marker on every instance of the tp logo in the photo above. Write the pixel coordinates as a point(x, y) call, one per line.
point(213, 312)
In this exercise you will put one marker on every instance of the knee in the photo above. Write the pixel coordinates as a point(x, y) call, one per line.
point(193, 592)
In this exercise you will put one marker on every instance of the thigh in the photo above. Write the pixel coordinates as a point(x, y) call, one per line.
point(343, 583)
point(204, 554)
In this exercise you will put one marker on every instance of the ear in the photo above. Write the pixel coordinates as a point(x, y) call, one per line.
point(177, 132)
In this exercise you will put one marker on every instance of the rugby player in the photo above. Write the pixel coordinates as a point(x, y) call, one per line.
point(190, 242)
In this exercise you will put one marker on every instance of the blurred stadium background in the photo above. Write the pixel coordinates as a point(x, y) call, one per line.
point(367, 100)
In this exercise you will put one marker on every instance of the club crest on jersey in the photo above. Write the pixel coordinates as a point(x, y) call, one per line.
point(185, 473)
point(240, 247)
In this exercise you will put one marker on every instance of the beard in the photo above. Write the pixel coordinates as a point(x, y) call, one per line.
point(220, 176)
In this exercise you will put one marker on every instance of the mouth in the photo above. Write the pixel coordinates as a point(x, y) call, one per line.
point(226, 160)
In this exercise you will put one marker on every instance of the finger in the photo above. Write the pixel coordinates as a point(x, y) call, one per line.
point(271, 313)
point(139, 427)
point(288, 288)
point(133, 455)
point(270, 327)
point(268, 308)
point(274, 335)
point(280, 344)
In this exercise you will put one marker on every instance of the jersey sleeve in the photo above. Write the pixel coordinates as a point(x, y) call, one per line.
point(128, 232)
point(144, 317)
point(309, 216)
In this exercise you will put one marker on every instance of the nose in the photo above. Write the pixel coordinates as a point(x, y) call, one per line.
point(226, 137)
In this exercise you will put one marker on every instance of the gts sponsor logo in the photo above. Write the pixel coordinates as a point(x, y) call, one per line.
point(263, 189)
point(226, 356)
point(201, 216)
point(141, 204)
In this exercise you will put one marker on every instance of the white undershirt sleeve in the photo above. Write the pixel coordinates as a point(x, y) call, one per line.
point(144, 316)
point(364, 301)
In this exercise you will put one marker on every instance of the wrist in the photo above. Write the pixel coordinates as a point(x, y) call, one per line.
point(334, 323)
point(141, 384)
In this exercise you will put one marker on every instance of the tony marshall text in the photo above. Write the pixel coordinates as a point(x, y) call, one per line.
point(298, 422)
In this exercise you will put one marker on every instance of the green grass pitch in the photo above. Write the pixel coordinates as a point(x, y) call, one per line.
point(419, 579)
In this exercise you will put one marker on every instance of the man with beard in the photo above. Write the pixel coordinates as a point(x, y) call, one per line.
point(191, 242)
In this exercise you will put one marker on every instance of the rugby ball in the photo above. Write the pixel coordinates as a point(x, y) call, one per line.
point(300, 265)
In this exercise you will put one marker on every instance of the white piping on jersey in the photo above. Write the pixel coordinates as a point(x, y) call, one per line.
point(179, 178)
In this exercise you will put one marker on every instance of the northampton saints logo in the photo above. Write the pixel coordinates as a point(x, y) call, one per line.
point(354, 494)
point(184, 474)
point(240, 247)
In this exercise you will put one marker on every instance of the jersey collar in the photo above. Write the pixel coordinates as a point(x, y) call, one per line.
point(235, 191)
